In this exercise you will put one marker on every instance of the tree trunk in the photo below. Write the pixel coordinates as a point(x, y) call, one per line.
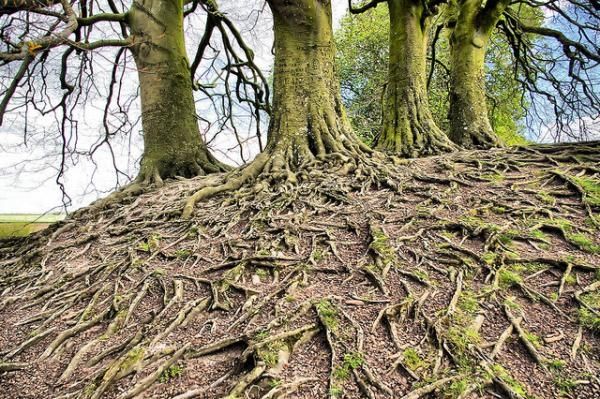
point(408, 126)
point(309, 129)
point(469, 121)
point(308, 122)
point(172, 142)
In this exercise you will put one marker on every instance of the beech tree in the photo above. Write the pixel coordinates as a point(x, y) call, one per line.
point(362, 58)
point(556, 62)
point(153, 31)
point(471, 27)
point(408, 125)
point(308, 122)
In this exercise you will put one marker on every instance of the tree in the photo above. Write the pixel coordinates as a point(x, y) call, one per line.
point(408, 125)
point(153, 31)
point(555, 53)
point(308, 122)
point(362, 57)
point(472, 26)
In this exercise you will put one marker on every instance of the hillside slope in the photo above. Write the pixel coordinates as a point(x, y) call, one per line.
point(471, 275)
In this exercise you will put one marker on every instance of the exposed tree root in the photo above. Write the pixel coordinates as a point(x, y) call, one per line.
point(329, 285)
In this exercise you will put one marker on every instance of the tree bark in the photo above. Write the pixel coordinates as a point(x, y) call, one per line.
point(308, 122)
point(408, 126)
point(173, 145)
point(470, 126)
point(308, 128)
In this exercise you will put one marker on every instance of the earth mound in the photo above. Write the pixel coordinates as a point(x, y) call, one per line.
point(469, 275)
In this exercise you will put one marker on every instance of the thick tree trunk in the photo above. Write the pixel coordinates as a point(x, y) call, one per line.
point(408, 126)
point(469, 121)
point(172, 142)
point(308, 121)
point(309, 130)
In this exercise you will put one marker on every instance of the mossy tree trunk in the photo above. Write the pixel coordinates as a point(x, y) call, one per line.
point(309, 129)
point(408, 127)
point(470, 126)
point(173, 145)
point(308, 122)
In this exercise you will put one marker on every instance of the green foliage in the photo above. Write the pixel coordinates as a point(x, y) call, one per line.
point(362, 57)
point(362, 64)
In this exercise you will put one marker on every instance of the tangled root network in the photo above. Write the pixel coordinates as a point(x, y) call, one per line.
point(470, 275)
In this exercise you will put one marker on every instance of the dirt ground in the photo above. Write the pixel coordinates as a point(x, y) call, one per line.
point(470, 275)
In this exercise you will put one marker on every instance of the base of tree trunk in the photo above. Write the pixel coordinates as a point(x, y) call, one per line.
point(154, 172)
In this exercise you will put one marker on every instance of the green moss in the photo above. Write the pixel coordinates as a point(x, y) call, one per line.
point(335, 391)
point(458, 388)
point(328, 314)
point(583, 242)
point(351, 361)
point(174, 371)
point(505, 376)
point(183, 253)
point(591, 188)
point(512, 304)
point(539, 235)
point(132, 358)
point(380, 244)
point(546, 198)
point(269, 354)
point(193, 232)
point(152, 244)
point(263, 273)
point(274, 383)
point(290, 298)
point(412, 359)
point(578, 239)
point(489, 258)
point(493, 177)
point(498, 210)
point(564, 384)
point(318, 254)
point(449, 234)
point(589, 319)
point(261, 336)
point(468, 302)
point(508, 278)
point(556, 364)
point(89, 390)
point(592, 299)
point(534, 339)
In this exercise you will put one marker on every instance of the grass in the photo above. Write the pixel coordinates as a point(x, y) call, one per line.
point(21, 225)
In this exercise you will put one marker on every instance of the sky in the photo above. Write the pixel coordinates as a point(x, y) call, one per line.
point(28, 163)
